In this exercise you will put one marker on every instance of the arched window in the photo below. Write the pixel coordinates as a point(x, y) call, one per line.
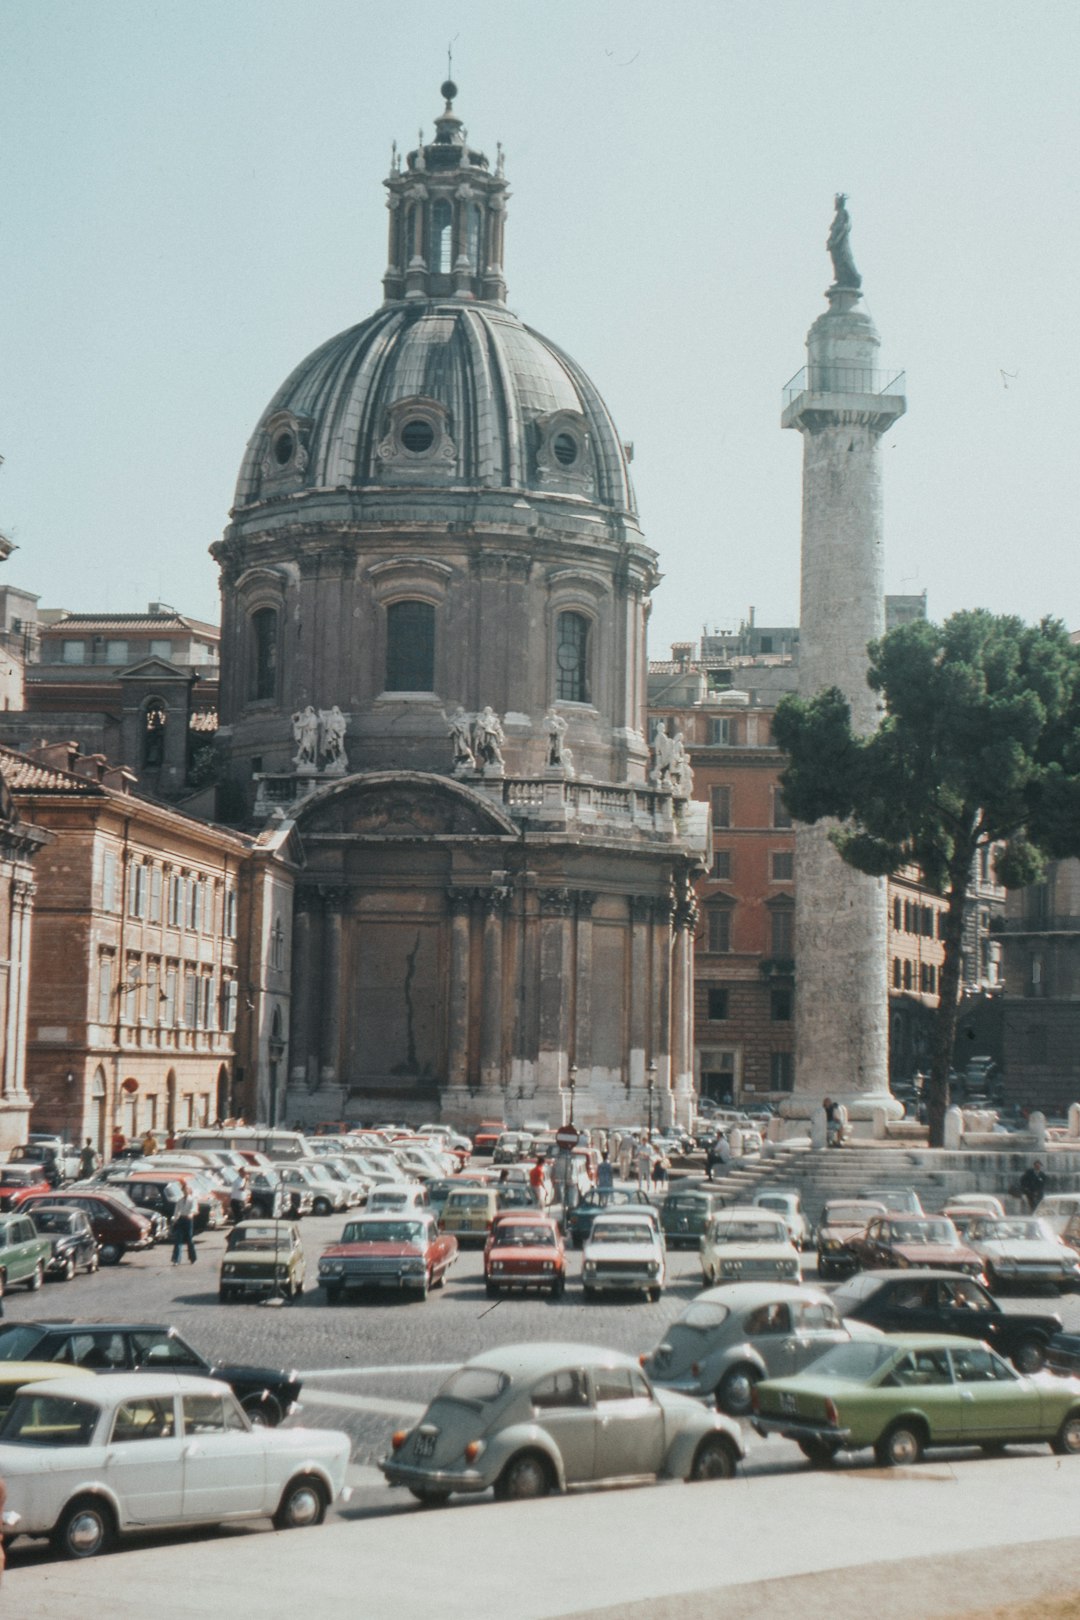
point(572, 658)
point(474, 225)
point(153, 739)
point(264, 653)
point(442, 220)
point(410, 647)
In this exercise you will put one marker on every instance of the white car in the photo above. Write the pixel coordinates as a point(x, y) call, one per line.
point(1021, 1249)
point(748, 1244)
point(398, 1198)
point(624, 1250)
point(969, 1202)
point(85, 1461)
point(1057, 1210)
point(785, 1203)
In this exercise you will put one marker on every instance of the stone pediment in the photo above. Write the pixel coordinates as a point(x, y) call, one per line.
point(401, 804)
point(155, 669)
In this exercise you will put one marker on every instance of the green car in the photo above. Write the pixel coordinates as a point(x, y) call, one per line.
point(910, 1391)
point(262, 1257)
point(685, 1213)
point(24, 1253)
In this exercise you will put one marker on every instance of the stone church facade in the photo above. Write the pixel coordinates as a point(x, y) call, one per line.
point(435, 592)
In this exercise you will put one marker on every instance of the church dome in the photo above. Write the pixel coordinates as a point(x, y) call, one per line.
point(438, 394)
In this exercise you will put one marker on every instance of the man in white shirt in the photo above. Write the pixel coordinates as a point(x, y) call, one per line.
point(183, 1226)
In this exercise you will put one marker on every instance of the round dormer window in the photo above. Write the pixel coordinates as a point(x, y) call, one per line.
point(284, 447)
point(566, 449)
point(417, 436)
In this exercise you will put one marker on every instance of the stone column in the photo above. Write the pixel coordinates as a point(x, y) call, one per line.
point(305, 957)
point(556, 910)
point(457, 1045)
point(583, 986)
point(491, 1009)
point(660, 1045)
point(22, 902)
point(842, 405)
point(682, 1008)
point(640, 920)
point(334, 904)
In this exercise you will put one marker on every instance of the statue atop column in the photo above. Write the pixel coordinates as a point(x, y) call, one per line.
point(839, 246)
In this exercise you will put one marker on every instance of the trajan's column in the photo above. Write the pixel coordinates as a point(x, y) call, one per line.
point(842, 404)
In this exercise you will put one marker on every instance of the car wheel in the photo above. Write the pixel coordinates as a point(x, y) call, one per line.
point(303, 1502)
point(112, 1254)
point(68, 1273)
point(735, 1392)
point(491, 1290)
point(3, 1284)
point(85, 1528)
point(654, 1295)
point(558, 1288)
point(901, 1446)
point(819, 1453)
point(35, 1281)
point(425, 1286)
point(524, 1477)
point(264, 1411)
point(715, 1458)
point(296, 1287)
point(226, 1295)
point(333, 1293)
point(93, 1266)
point(588, 1292)
point(993, 1448)
point(429, 1498)
point(1029, 1355)
point(322, 1206)
point(1066, 1443)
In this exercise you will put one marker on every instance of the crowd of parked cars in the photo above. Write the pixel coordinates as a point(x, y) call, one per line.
point(910, 1350)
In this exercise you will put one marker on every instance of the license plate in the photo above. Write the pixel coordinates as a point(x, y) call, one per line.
point(425, 1445)
point(788, 1404)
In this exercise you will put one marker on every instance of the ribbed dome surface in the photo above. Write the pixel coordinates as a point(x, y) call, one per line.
point(499, 386)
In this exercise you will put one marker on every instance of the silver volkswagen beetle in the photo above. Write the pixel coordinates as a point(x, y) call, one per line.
point(729, 1337)
point(532, 1418)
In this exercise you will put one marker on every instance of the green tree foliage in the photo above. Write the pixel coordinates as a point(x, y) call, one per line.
point(979, 745)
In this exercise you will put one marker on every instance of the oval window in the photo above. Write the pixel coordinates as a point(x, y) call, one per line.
point(417, 436)
point(284, 445)
point(565, 447)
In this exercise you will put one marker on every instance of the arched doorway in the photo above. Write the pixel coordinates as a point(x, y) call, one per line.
point(96, 1122)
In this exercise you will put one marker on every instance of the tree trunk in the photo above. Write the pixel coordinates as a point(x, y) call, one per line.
point(948, 1012)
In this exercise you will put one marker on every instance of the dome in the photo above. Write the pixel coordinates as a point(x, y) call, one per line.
point(438, 394)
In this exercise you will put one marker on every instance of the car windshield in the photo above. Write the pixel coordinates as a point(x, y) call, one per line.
point(1011, 1231)
point(476, 1386)
point(748, 1231)
point(607, 1198)
point(922, 1231)
point(771, 1201)
point(525, 1237)
point(383, 1232)
point(257, 1237)
point(849, 1214)
point(460, 1200)
point(54, 1220)
point(703, 1315)
point(18, 1342)
point(388, 1200)
point(860, 1359)
point(48, 1420)
point(624, 1232)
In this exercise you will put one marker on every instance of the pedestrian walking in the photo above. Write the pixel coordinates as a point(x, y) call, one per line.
point(88, 1161)
point(1033, 1184)
point(240, 1196)
point(660, 1170)
point(183, 1226)
point(605, 1174)
point(719, 1154)
point(645, 1163)
point(149, 1144)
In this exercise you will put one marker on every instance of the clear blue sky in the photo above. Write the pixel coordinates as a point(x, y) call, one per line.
point(192, 201)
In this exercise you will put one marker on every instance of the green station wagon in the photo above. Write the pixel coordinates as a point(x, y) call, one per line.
point(685, 1213)
point(24, 1253)
point(910, 1391)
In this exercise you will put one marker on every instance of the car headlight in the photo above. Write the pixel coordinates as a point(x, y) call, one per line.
point(791, 1268)
point(498, 1265)
point(281, 1273)
point(831, 1245)
point(331, 1268)
point(548, 1265)
point(731, 1265)
point(653, 1267)
point(589, 1266)
point(228, 1268)
point(416, 1262)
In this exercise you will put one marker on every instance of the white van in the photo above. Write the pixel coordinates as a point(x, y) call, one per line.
point(283, 1147)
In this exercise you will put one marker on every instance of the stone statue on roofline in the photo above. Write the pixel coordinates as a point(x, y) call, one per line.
point(559, 756)
point(459, 728)
point(488, 739)
point(305, 724)
point(333, 725)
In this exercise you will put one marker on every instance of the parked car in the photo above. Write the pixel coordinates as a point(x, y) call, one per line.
point(624, 1250)
point(117, 1224)
point(913, 1240)
point(528, 1419)
point(904, 1394)
point(945, 1302)
point(785, 1202)
point(329, 1196)
point(24, 1252)
point(486, 1135)
point(1018, 1250)
point(262, 1257)
point(685, 1214)
point(524, 1250)
point(267, 1394)
point(468, 1212)
point(1058, 1210)
point(747, 1244)
point(51, 1153)
point(15, 1375)
point(18, 1182)
point(387, 1251)
point(399, 1198)
point(893, 1198)
point(598, 1201)
point(71, 1237)
point(728, 1338)
point(985, 1203)
point(85, 1462)
point(297, 1191)
point(842, 1219)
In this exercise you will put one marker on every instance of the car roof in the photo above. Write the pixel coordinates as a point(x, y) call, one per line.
point(527, 1360)
point(742, 1295)
point(629, 1217)
point(392, 1217)
point(885, 1274)
point(62, 1324)
point(32, 1372)
point(525, 1217)
point(120, 1387)
point(749, 1212)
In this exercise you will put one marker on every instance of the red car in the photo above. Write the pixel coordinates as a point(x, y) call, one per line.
point(400, 1250)
point(486, 1135)
point(524, 1250)
point(118, 1226)
point(18, 1182)
point(901, 1239)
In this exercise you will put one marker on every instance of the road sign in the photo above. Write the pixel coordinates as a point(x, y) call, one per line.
point(567, 1136)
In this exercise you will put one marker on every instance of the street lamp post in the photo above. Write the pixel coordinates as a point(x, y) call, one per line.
point(651, 1081)
point(572, 1082)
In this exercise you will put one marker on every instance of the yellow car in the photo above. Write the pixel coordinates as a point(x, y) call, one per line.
point(468, 1213)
